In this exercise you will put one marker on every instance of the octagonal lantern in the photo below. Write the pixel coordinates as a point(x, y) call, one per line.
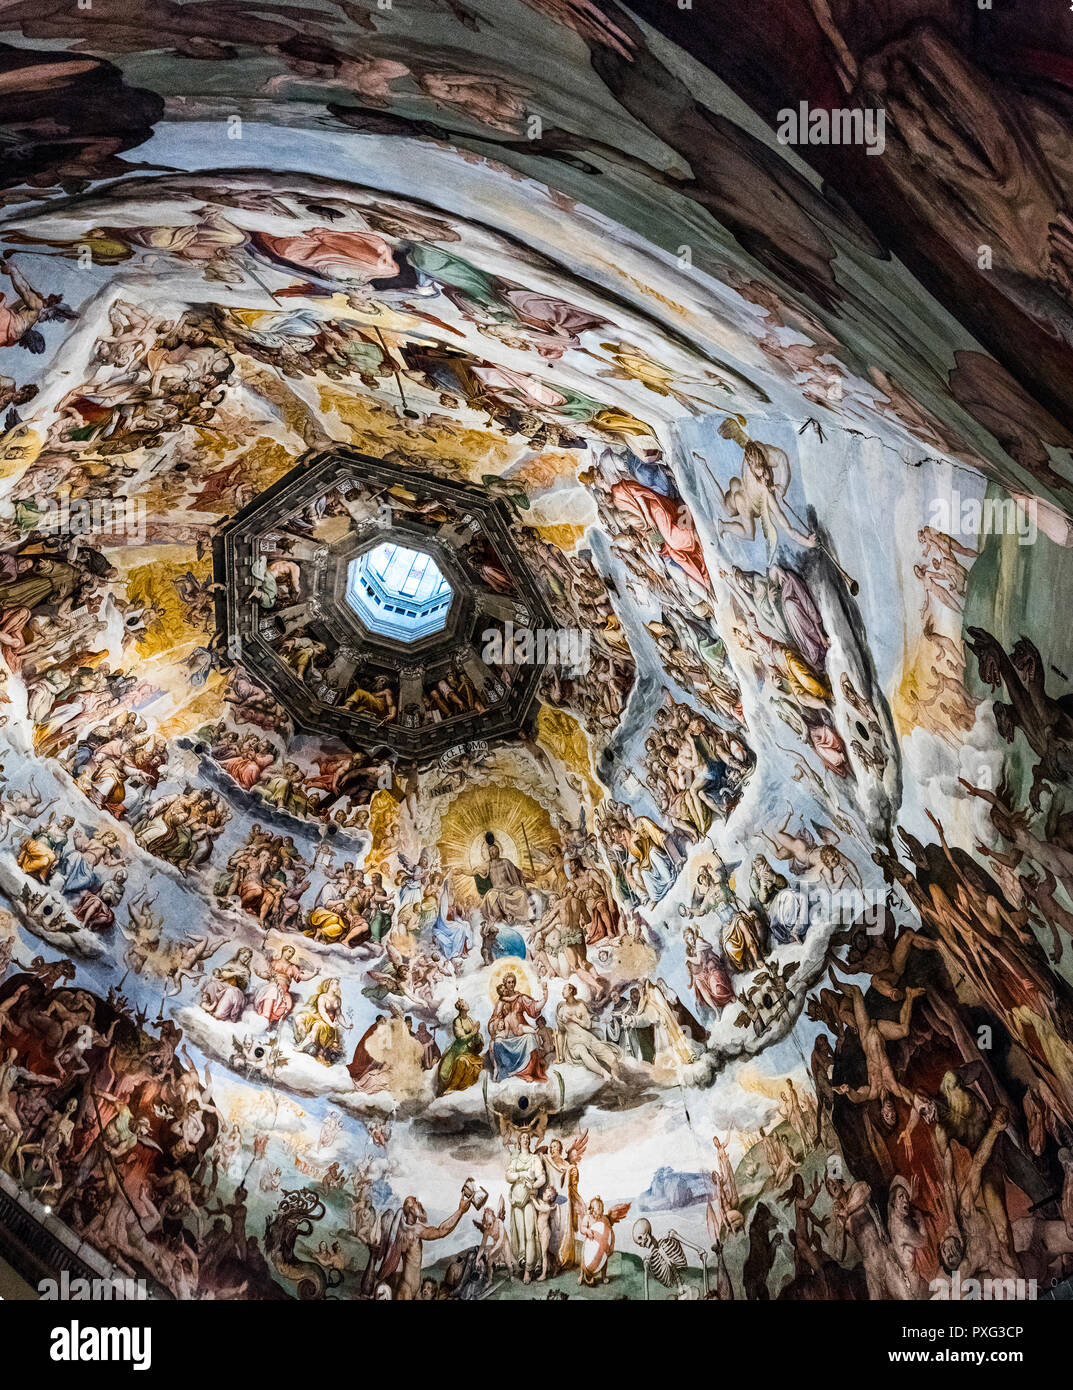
point(381, 605)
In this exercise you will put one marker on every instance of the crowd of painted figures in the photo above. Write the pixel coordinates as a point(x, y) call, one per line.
point(214, 912)
point(936, 1136)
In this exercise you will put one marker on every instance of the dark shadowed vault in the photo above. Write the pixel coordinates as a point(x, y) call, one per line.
point(536, 735)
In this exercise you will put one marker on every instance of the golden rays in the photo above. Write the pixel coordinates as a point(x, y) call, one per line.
point(563, 737)
point(520, 824)
point(383, 826)
point(509, 965)
point(153, 583)
point(464, 451)
point(566, 536)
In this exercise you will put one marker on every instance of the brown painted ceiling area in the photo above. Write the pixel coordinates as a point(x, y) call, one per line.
point(535, 542)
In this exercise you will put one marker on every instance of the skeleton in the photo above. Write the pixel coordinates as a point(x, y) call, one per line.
point(664, 1258)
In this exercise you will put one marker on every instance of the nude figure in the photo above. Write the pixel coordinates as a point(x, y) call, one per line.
point(495, 1246)
point(934, 590)
point(759, 494)
point(971, 1245)
point(10, 1074)
point(818, 859)
point(874, 1035)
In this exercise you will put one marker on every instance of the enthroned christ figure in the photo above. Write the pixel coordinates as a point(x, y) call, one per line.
point(501, 884)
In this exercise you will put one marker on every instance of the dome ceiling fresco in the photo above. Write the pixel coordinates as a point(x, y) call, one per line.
point(533, 682)
point(375, 605)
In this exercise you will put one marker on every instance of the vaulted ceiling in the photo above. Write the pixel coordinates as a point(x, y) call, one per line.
point(746, 469)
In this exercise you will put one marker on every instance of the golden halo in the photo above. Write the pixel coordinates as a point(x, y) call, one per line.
point(507, 845)
point(521, 825)
point(711, 860)
point(508, 965)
